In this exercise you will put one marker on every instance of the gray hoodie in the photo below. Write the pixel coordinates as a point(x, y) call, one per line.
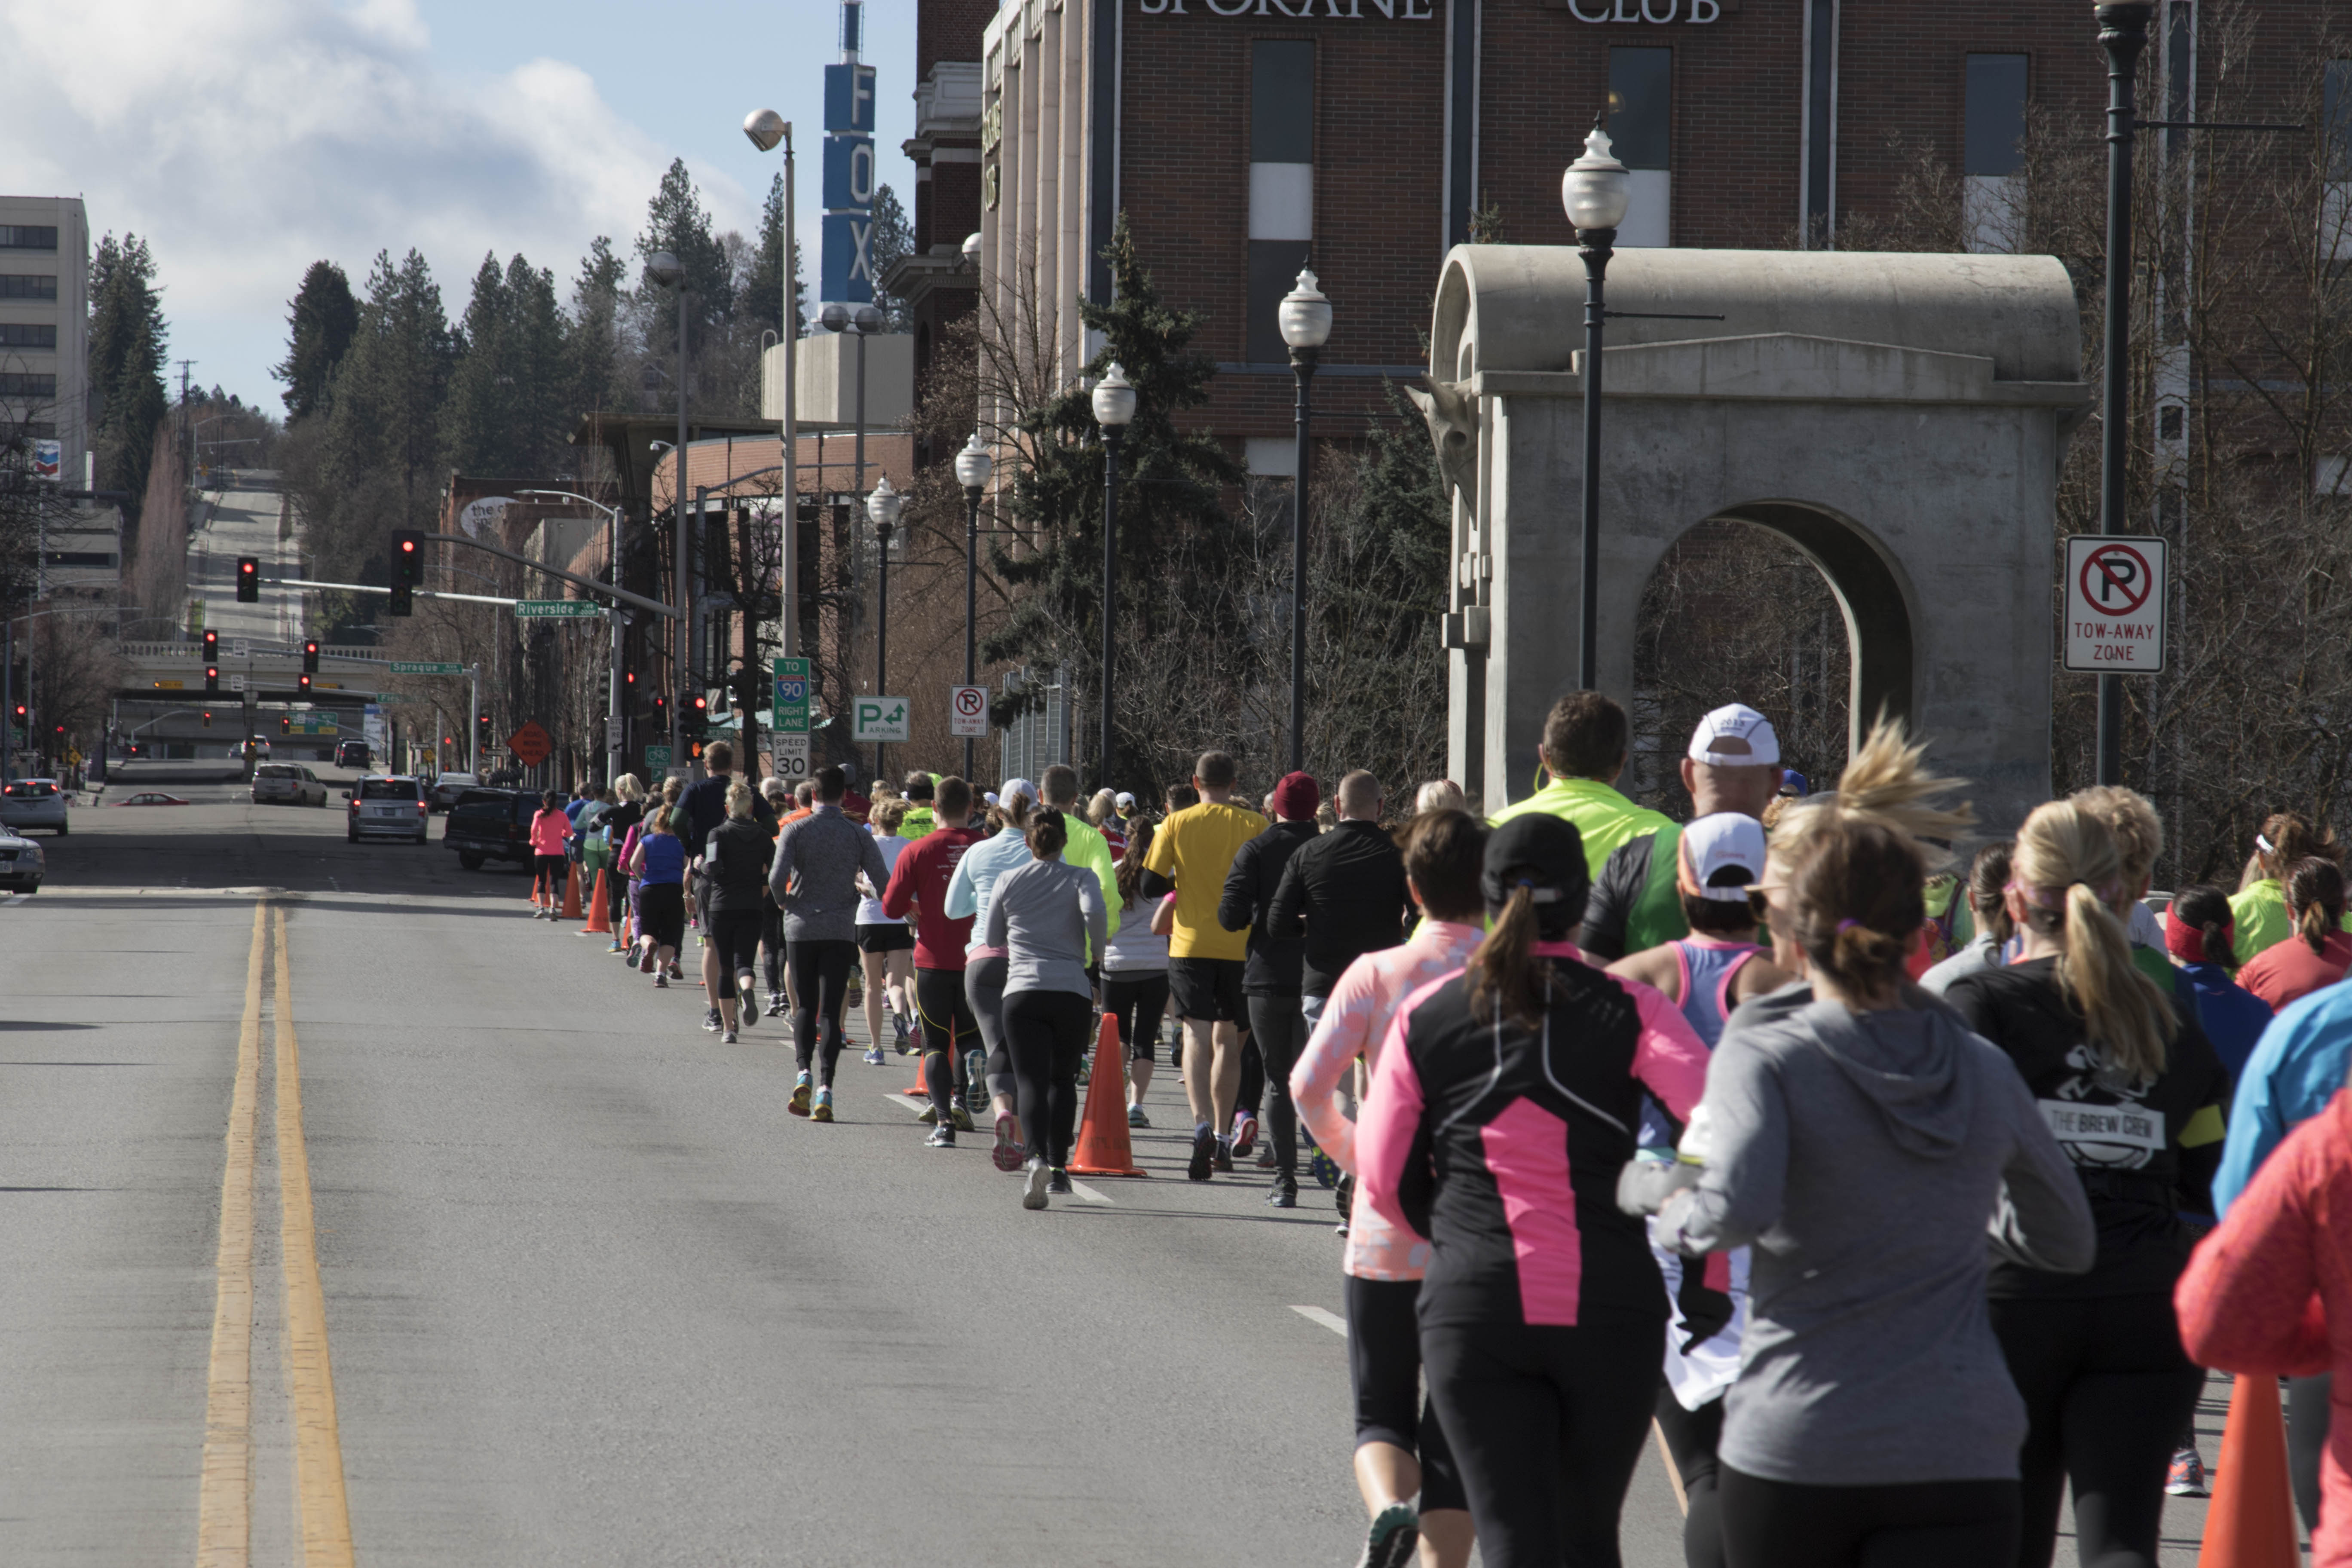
point(1866, 1155)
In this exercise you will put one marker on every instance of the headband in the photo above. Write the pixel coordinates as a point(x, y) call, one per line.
point(2265, 844)
point(2187, 943)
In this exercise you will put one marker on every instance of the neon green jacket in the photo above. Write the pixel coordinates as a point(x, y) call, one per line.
point(1089, 849)
point(1602, 818)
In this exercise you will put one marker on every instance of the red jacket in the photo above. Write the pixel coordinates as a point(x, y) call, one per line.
point(2270, 1293)
point(920, 882)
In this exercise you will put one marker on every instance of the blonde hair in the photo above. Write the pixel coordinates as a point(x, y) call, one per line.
point(628, 787)
point(2139, 833)
point(1888, 785)
point(738, 800)
point(890, 814)
point(1099, 808)
point(2070, 871)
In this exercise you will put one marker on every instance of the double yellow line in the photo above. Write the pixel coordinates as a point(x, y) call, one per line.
point(225, 1505)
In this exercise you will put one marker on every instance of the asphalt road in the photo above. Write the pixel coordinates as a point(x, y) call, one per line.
point(589, 1295)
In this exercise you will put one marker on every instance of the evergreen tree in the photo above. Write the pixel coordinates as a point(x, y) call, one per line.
point(677, 221)
point(320, 321)
point(128, 344)
point(893, 241)
point(762, 297)
point(592, 341)
point(509, 409)
point(383, 433)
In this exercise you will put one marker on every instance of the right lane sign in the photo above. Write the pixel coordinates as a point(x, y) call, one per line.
point(2115, 593)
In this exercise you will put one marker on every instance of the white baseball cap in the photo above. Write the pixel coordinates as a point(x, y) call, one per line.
point(1123, 800)
point(1735, 736)
point(1723, 855)
point(1011, 788)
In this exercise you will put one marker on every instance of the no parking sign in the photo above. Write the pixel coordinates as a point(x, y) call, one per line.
point(2115, 593)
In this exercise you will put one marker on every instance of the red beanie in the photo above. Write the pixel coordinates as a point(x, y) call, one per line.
point(1295, 797)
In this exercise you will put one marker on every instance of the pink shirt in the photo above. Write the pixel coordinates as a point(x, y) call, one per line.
point(548, 831)
point(1355, 1024)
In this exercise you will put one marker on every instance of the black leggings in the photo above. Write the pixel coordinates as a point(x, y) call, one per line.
point(1385, 1371)
point(1546, 1425)
point(1927, 1524)
point(2108, 1392)
point(772, 944)
point(2308, 1418)
point(821, 971)
point(1046, 1031)
point(735, 933)
point(983, 987)
point(1280, 1031)
point(948, 1031)
point(1253, 1084)
point(1136, 1002)
point(1692, 1437)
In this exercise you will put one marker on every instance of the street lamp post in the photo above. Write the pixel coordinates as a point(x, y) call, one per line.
point(865, 321)
point(973, 467)
point(883, 506)
point(666, 272)
point(2123, 34)
point(1114, 401)
point(766, 128)
point(1595, 191)
point(1306, 321)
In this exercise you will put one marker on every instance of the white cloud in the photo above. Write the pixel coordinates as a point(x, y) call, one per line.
point(245, 139)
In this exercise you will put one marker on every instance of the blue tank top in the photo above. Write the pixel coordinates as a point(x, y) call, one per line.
point(664, 859)
point(1707, 968)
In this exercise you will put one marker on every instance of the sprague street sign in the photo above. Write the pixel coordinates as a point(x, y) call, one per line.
point(879, 719)
point(2115, 592)
point(968, 712)
point(411, 668)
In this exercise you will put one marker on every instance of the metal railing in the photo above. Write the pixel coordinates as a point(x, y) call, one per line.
point(256, 648)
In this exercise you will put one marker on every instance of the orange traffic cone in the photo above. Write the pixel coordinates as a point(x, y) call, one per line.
point(1103, 1149)
point(2249, 1523)
point(570, 890)
point(599, 923)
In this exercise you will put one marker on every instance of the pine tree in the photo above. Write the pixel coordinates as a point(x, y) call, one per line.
point(592, 339)
point(893, 241)
point(383, 433)
point(128, 344)
point(507, 411)
point(763, 299)
point(677, 221)
point(320, 321)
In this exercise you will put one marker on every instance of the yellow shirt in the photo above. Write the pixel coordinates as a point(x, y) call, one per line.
point(1195, 849)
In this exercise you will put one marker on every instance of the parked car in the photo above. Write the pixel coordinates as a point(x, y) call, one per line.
point(490, 825)
point(288, 782)
point(33, 802)
point(449, 786)
point(388, 805)
point(152, 798)
point(352, 754)
point(21, 863)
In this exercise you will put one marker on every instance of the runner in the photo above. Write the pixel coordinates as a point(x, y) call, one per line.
point(984, 965)
point(1440, 794)
point(1500, 1114)
point(1088, 848)
point(1102, 812)
point(2138, 833)
point(815, 883)
point(617, 824)
point(2125, 1078)
point(2197, 932)
point(735, 859)
point(1718, 859)
point(1861, 1144)
point(659, 864)
point(1584, 741)
point(1129, 815)
point(922, 791)
point(918, 885)
point(889, 947)
point(772, 919)
point(1989, 903)
point(706, 808)
point(1180, 797)
point(1732, 765)
point(1135, 974)
point(2260, 907)
point(1401, 1451)
point(549, 830)
point(2318, 952)
point(1270, 976)
point(1191, 855)
point(1047, 916)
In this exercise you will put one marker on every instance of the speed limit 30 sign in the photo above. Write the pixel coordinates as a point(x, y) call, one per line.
point(2116, 596)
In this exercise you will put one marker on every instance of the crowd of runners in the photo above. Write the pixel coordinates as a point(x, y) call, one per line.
point(1905, 1198)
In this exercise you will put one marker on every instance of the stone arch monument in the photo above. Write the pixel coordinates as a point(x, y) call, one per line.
point(1898, 418)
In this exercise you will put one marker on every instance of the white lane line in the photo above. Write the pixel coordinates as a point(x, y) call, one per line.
point(1331, 1320)
point(915, 1107)
point(1088, 1194)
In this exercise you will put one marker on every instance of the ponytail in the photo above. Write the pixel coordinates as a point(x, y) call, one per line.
point(2065, 860)
point(2315, 891)
point(1507, 978)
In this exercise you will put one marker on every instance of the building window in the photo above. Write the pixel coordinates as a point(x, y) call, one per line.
point(1281, 186)
point(1816, 198)
point(1640, 121)
point(20, 384)
point(24, 236)
point(28, 286)
point(1992, 159)
point(2335, 143)
point(27, 335)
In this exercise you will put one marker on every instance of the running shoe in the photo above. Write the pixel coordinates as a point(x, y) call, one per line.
point(2186, 1477)
point(1395, 1532)
point(775, 1006)
point(799, 1103)
point(822, 1109)
point(874, 1057)
point(711, 1021)
point(905, 1036)
point(747, 1009)
point(675, 972)
point(940, 1137)
point(727, 1038)
point(1284, 1193)
point(1205, 1150)
point(960, 1119)
point(1264, 1161)
point(1058, 1184)
point(661, 981)
point(930, 1117)
point(1007, 1154)
point(1033, 1191)
point(1245, 1136)
point(1324, 1169)
point(646, 958)
point(1222, 1156)
point(1345, 1199)
point(1135, 1117)
point(1085, 1069)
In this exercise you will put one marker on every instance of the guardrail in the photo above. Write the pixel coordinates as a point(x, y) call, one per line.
point(255, 647)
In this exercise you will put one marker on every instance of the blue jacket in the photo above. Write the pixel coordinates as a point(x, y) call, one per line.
point(2233, 1016)
point(2297, 1066)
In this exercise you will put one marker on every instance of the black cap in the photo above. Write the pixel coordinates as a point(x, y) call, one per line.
point(1545, 855)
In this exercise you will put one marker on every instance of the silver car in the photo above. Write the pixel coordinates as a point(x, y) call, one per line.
point(33, 803)
point(288, 784)
point(20, 863)
point(389, 805)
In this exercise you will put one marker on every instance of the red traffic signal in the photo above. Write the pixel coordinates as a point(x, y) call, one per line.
point(249, 580)
point(22, 712)
point(304, 679)
point(285, 723)
point(701, 705)
point(211, 646)
point(311, 655)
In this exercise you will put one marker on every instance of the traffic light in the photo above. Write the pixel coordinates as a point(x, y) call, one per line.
point(208, 717)
point(482, 728)
point(22, 715)
point(310, 656)
point(696, 712)
point(661, 713)
point(248, 579)
point(694, 751)
point(212, 647)
point(285, 723)
point(211, 678)
point(400, 600)
point(407, 558)
point(303, 679)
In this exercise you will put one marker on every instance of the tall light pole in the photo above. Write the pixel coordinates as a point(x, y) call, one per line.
point(1114, 401)
point(883, 507)
point(973, 467)
point(1306, 321)
point(766, 128)
point(1595, 191)
point(2123, 34)
point(666, 272)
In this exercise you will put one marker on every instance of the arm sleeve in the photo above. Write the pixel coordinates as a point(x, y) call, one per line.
point(1670, 1058)
point(2249, 1300)
point(1153, 885)
point(1159, 877)
point(1237, 907)
point(899, 893)
point(1338, 1041)
point(1740, 1196)
point(964, 898)
point(999, 913)
point(1095, 910)
point(1603, 932)
point(1105, 870)
point(1285, 914)
point(2042, 1219)
point(1393, 1143)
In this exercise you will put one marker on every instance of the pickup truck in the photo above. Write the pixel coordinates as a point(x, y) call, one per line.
point(490, 825)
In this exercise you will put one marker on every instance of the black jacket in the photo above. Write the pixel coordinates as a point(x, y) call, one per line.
point(735, 866)
point(1347, 893)
point(1249, 889)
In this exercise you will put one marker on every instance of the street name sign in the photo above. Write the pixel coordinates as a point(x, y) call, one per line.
point(558, 610)
point(879, 719)
point(968, 712)
point(2115, 592)
point(411, 668)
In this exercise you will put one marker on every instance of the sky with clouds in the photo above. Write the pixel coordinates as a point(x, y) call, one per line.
point(245, 139)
